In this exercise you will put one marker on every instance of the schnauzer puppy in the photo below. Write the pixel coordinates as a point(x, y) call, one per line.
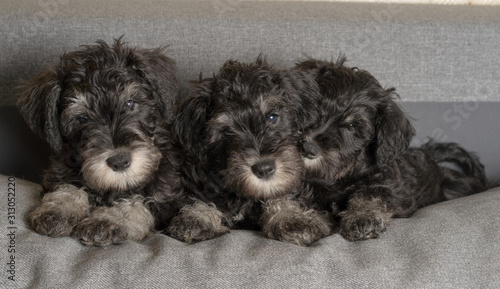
point(105, 111)
point(357, 160)
point(243, 122)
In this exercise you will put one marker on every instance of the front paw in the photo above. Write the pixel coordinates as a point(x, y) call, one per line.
point(59, 211)
point(51, 222)
point(287, 221)
point(364, 219)
point(297, 228)
point(95, 232)
point(197, 222)
point(127, 219)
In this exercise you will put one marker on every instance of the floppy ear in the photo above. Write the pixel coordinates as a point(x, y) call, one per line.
point(38, 104)
point(190, 119)
point(159, 71)
point(394, 132)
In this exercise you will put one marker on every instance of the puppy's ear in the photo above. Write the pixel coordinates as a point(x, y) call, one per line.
point(39, 106)
point(160, 72)
point(393, 131)
point(190, 119)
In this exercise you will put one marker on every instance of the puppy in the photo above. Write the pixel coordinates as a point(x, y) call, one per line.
point(114, 174)
point(243, 123)
point(357, 160)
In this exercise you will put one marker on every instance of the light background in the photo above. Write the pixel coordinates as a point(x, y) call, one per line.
point(443, 2)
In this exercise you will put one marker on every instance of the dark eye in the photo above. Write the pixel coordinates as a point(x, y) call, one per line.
point(351, 126)
point(129, 104)
point(272, 118)
point(82, 119)
point(227, 131)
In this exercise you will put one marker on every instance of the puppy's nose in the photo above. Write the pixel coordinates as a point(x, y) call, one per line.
point(309, 150)
point(119, 161)
point(264, 169)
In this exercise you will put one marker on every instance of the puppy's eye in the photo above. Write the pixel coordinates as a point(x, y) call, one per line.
point(351, 126)
point(129, 104)
point(272, 118)
point(227, 131)
point(82, 119)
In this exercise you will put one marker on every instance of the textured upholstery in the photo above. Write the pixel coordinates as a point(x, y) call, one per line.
point(449, 245)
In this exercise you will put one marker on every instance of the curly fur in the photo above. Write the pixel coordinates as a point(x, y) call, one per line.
point(117, 173)
point(126, 219)
point(60, 211)
point(197, 222)
point(356, 155)
point(288, 220)
point(243, 121)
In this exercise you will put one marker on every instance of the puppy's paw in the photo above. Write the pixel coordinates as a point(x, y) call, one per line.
point(287, 221)
point(52, 223)
point(59, 211)
point(197, 222)
point(364, 219)
point(297, 228)
point(95, 232)
point(127, 219)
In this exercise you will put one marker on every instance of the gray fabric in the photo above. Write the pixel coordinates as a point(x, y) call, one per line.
point(449, 245)
point(438, 53)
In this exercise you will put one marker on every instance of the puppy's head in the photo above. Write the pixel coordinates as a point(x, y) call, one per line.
point(98, 108)
point(358, 124)
point(246, 119)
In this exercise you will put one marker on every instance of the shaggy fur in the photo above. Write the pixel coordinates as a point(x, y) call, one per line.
point(243, 123)
point(116, 172)
point(357, 160)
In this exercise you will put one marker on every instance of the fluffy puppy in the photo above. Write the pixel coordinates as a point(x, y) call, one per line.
point(105, 111)
point(243, 123)
point(357, 160)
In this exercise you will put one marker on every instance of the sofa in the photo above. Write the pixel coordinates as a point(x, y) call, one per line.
point(443, 61)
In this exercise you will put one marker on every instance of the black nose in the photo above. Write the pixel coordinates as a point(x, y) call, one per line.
point(119, 162)
point(264, 169)
point(309, 150)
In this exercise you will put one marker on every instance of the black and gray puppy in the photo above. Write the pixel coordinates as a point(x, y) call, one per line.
point(243, 123)
point(115, 171)
point(357, 157)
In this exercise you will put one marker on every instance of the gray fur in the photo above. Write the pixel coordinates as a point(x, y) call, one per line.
point(197, 222)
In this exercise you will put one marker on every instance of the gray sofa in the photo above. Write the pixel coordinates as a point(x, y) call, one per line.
point(443, 60)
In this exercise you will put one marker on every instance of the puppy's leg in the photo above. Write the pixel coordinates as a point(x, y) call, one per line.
point(127, 219)
point(197, 222)
point(59, 211)
point(288, 220)
point(365, 218)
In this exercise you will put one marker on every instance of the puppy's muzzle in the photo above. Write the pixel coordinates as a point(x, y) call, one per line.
point(264, 169)
point(309, 150)
point(119, 162)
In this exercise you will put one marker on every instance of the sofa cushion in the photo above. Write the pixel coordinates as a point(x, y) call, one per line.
point(448, 245)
